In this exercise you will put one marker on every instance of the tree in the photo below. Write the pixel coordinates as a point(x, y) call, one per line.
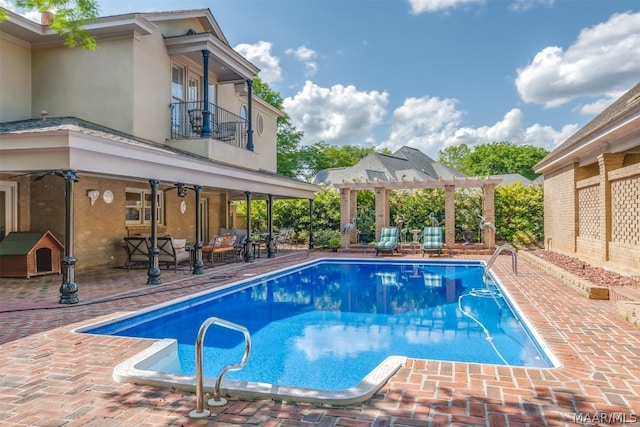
point(69, 18)
point(496, 158)
point(502, 158)
point(454, 156)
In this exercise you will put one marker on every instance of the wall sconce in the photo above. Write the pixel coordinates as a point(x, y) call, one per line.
point(93, 195)
point(182, 190)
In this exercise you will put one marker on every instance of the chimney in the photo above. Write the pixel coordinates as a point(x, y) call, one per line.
point(46, 17)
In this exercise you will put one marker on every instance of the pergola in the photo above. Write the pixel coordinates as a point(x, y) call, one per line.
point(348, 202)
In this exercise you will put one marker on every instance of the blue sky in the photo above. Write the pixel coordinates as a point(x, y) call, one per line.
point(432, 73)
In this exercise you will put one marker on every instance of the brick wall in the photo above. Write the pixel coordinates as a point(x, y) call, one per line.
point(560, 210)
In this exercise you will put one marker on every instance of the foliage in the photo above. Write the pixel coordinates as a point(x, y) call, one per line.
point(68, 19)
point(468, 208)
point(524, 239)
point(414, 207)
point(519, 209)
point(454, 156)
point(496, 158)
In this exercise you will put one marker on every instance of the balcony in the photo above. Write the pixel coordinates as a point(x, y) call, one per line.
point(188, 120)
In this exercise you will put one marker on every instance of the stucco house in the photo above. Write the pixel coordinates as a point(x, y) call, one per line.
point(592, 189)
point(164, 102)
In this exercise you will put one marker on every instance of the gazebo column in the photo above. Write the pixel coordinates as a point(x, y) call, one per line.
point(382, 209)
point(489, 214)
point(353, 213)
point(449, 215)
point(345, 215)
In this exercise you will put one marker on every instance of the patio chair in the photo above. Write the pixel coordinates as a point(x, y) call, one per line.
point(282, 238)
point(137, 251)
point(388, 240)
point(169, 254)
point(195, 119)
point(432, 240)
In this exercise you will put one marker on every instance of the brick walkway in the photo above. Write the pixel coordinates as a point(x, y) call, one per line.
point(52, 377)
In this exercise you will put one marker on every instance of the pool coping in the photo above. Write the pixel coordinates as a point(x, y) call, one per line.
point(136, 370)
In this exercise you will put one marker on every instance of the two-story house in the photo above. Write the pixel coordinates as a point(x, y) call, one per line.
point(163, 102)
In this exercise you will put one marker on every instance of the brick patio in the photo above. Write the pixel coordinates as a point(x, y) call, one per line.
point(52, 377)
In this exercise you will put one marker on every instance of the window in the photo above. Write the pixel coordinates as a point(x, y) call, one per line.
point(260, 124)
point(243, 115)
point(138, 206)
point(177, 83)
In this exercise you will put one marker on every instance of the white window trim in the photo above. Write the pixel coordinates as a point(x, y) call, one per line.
point(143, 192)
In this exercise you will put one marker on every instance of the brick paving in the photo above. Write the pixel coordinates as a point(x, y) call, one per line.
point(50, 376)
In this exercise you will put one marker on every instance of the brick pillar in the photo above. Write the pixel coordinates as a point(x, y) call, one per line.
point(382, 209)
point(353, 213)
point(489, 213)
point(345, 215)
point(606, 163)
point(449, 215)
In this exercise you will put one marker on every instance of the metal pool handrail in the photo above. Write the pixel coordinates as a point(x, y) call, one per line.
point(499, 249)
point(200, 412)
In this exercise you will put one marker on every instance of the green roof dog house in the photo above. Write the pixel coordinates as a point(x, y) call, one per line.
point(30, 254)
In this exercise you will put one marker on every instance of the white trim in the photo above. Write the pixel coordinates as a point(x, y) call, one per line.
point(11, 205)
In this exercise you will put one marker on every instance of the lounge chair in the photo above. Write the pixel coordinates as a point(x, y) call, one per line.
point(221, 246)
point(172, 251)
point(432, 240)
point(388, 240)
point(137, 251)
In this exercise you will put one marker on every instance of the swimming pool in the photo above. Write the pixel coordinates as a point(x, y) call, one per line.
point(333, 330)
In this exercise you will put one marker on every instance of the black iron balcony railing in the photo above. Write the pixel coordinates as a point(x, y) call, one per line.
point(188, 120)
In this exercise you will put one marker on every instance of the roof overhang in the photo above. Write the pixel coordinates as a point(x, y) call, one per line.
point(34, 34)
point(619, 136)
point(224, 62)
point(89, 153)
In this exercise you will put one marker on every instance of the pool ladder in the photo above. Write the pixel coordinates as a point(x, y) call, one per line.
point(500, 249)
point(200, 412)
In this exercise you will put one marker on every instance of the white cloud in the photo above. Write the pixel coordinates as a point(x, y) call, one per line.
point(522, 5)
point(604, 59)
point(432, 124)
point(430, 6)
point(337, 115)
point(259, 54)
point(307, 56)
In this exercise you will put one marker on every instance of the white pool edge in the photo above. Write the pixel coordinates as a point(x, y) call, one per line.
point(136, 370)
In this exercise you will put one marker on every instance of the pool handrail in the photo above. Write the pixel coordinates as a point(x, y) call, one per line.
point(499, 249)
point(200, 412)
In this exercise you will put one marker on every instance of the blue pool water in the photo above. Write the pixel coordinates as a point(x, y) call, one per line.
point(325, 325)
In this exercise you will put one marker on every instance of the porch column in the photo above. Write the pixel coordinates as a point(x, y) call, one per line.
point(206, 113)
point(310, 223)
point(68, 289)
point(270, 252)
point(449, 215)
point(489, 214)
point(248, 253)
point(198, 265)
point(250, 114)
point(153, 274)
point(606, 163)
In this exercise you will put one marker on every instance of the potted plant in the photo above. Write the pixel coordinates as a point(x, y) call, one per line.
point(334, 244)
point(365, 225)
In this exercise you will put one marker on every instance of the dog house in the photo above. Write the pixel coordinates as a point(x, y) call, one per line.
point(30, 254)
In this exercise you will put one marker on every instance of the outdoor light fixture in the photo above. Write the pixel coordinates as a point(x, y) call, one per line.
point(182, 190)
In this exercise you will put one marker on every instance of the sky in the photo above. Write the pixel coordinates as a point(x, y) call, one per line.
point(432, 73)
